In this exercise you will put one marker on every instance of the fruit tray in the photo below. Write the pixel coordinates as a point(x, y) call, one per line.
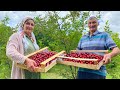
point(44, 58)
point(89, 59)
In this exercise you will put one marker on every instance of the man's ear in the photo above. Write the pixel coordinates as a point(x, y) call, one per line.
point(98, 23)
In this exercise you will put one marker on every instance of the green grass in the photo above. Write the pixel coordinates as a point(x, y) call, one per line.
point(54, 73)
point(108, 76)
point(50, 75)
point(58, 71)
point(113, 68)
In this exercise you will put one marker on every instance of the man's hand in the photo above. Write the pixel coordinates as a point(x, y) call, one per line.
point(107, 58)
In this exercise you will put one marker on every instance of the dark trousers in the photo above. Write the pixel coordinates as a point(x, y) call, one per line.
point(87, 75)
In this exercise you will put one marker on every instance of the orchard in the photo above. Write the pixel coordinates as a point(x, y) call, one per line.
point(58, 33)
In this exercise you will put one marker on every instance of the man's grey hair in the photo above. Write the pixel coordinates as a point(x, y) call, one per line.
point(93, 17)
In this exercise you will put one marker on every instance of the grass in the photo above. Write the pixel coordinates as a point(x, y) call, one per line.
point(59, 71)
point(50, 75)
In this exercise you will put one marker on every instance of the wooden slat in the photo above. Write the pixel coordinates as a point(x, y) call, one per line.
point(37, 51)
point(45, 69)
point(106, 51)
point(23, 66)
point(86, 59)
point(50, 66)
point(54, 56)
point(100, 64)
point(39, 69)
point(89, 66)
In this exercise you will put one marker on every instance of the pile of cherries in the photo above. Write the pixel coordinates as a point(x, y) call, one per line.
point(42, 56)
point(84, 55)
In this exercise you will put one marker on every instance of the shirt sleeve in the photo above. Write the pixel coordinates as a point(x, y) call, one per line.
point(12, 50)
point(109, 42)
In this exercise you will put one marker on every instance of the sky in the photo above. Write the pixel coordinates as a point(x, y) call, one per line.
point(17, 16)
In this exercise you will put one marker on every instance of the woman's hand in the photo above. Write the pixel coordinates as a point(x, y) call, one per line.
point(31, 64)
point(107, 58)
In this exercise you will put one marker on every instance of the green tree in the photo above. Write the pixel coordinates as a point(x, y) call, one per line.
point(113, 68)
point(61, 33)
point(5, 63)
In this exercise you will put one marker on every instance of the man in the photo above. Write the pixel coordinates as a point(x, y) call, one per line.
point(96, 40)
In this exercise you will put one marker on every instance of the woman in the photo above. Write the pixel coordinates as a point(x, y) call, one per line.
point(19, 45)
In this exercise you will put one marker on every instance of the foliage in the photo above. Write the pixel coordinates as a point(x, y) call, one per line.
point(60, 33)
point(5, 63)
point(113, 68)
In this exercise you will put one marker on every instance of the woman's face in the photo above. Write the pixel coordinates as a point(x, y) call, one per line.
point(28, 26)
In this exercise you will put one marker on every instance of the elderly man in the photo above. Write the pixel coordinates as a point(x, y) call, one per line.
point(96, 40)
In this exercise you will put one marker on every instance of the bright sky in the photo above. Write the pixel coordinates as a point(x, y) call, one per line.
point(16, 17)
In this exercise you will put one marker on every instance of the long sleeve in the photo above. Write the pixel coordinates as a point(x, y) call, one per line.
point(13, 49)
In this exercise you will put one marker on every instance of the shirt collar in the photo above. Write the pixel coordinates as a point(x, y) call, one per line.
point(95, 33)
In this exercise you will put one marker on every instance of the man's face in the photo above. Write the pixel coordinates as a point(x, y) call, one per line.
point(92, 24)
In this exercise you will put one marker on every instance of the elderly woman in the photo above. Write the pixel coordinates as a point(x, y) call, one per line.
point(19, 45)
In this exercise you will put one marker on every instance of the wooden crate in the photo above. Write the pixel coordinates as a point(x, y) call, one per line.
point(95, 66)
point(43, 67)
